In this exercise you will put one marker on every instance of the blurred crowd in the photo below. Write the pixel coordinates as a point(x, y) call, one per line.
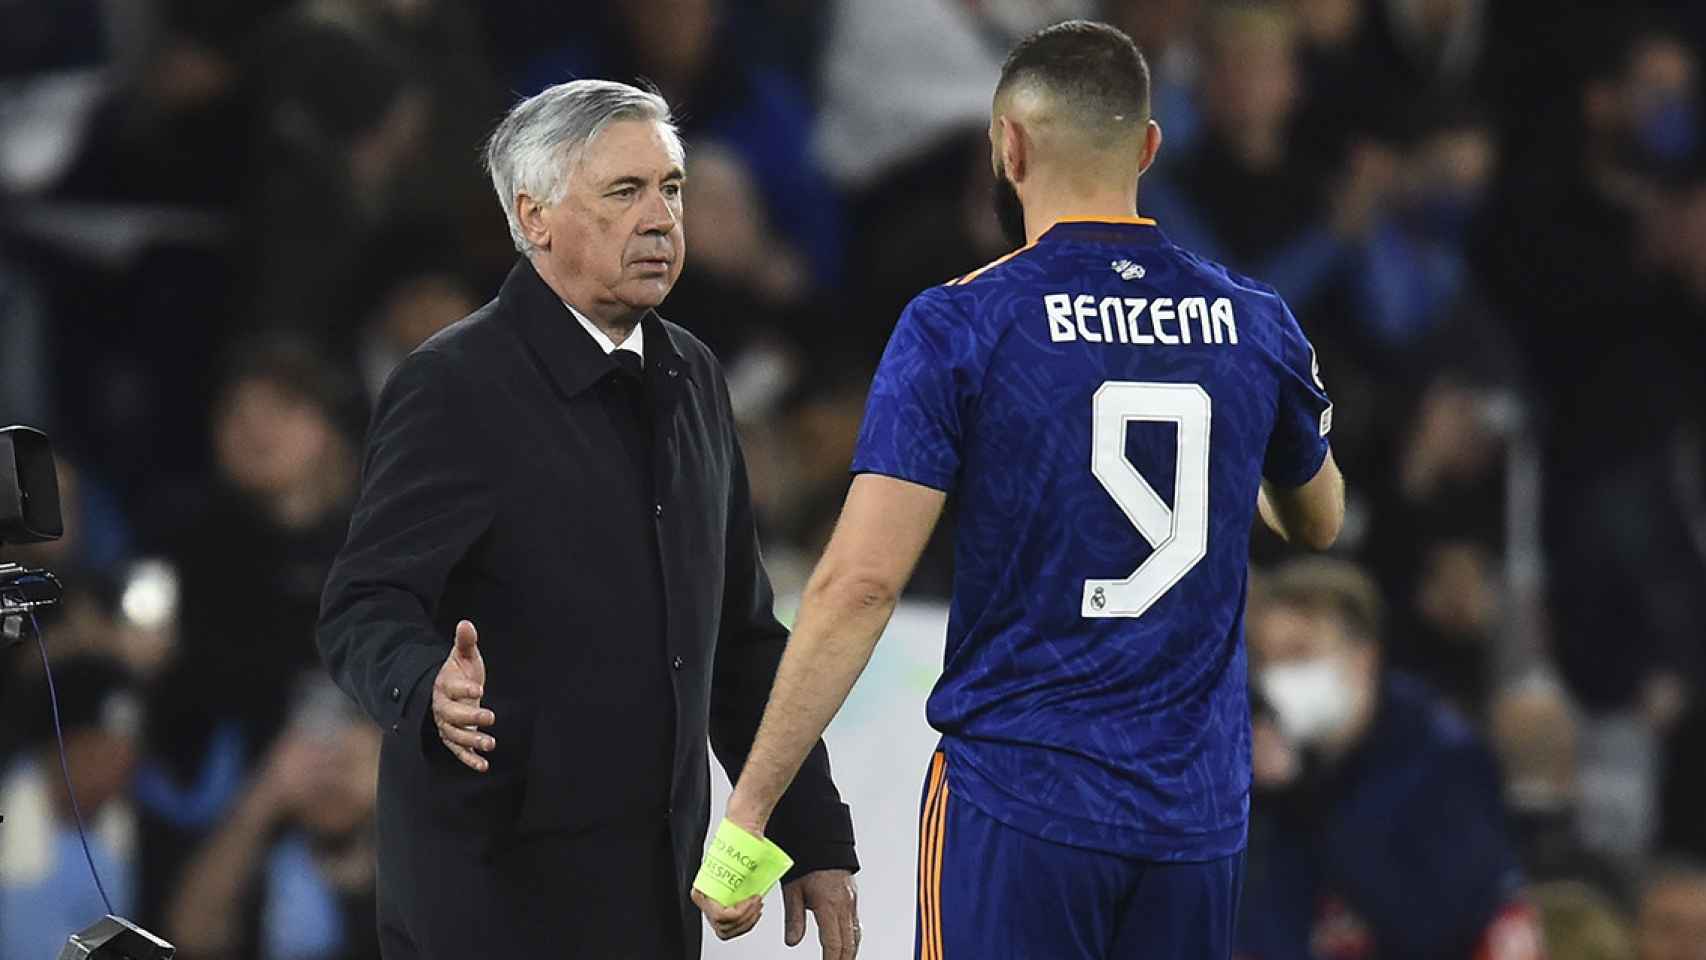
point(1482, 720)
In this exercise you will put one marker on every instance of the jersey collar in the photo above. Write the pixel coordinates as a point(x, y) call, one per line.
point(1123, 230)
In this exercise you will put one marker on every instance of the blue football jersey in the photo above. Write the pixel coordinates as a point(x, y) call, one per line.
point(1102, 406)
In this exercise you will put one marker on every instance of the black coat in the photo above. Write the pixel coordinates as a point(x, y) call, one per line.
point(497, 489)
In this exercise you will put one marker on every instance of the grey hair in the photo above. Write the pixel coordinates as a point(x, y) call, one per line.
point(538, 142)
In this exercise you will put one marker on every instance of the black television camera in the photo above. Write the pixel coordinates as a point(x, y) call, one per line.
point(29, 513)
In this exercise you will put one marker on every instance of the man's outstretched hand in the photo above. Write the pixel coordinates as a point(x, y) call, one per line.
point(456, 693)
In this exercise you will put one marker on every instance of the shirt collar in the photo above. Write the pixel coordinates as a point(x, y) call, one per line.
point(575, 361)
point(1120, 230)
point(636, 337)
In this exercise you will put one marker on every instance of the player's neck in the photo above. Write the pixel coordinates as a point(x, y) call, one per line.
point(1045, 212)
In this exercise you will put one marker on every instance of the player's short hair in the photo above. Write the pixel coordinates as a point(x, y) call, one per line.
point(1327, 583)
point(537, 142)
point(1095, 68)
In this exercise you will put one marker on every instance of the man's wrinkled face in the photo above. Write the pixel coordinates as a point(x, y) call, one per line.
point(618, 227)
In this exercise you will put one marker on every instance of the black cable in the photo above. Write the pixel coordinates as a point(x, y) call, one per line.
point(65, 765)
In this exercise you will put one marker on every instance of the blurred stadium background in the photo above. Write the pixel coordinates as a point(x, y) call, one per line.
point(222, 222)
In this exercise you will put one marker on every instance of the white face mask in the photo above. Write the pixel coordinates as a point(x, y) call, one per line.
point(1313, 699)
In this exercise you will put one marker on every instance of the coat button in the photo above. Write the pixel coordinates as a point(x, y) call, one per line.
point(396, 694)
point(676, 663)
point(674, 372)
point(657, 509)
point(395, 727)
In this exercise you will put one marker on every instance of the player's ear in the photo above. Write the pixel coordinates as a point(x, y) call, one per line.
point(1151, 147)
point(1014, 154)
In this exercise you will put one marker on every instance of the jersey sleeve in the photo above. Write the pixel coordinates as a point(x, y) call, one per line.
point(913, 419)
point(1299, 443)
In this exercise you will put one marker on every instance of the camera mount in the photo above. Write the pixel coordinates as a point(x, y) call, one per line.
point(29, 513)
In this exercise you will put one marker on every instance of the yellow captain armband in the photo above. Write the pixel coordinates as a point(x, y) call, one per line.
point(739, 865)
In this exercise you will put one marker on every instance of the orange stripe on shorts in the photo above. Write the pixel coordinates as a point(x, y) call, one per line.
point(930, 862)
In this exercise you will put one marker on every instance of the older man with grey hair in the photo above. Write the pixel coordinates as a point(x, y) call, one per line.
point(551, 594)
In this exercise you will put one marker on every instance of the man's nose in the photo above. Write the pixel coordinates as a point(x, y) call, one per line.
point(657, 216)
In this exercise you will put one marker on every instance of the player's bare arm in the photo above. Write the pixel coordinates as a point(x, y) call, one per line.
point(1310, 515)
point(884, 526)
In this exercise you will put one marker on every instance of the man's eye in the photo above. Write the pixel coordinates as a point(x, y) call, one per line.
point(672, 190)
point(625, 193)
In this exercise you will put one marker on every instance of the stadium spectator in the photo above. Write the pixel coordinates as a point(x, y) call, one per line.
point(439, 44)
point(1672, 919)
point(413, 286)
point(1243, 196)
point(1455, 616)
point(1590, 232)
point(289, 875)
point(1372, 66)
point(1568, 244)
point(1377, 827)
point(45, 888)
point(1419, 53)
point(900, 78)
point(904, 134)
point(751, 283)
point(1631, 567)
point(340, 116)
point(1414, 269)
point(1332, 113)
point(171, 122)
point(1534, 732)
point(251, 564)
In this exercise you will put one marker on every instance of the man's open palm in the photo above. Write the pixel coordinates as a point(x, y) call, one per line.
point(456, 693)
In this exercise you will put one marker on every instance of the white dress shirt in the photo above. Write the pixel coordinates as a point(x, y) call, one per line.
point(636, 338)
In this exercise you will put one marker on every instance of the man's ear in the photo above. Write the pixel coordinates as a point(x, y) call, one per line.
point(1015, 152)
point(1151, 146)
point(530, 213)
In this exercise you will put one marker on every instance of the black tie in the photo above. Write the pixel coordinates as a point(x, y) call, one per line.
point(631, 363)
point(636, 432)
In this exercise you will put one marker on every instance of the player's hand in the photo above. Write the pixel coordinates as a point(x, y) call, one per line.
point(730, 922)
point(456, 693)
point(832, 897)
